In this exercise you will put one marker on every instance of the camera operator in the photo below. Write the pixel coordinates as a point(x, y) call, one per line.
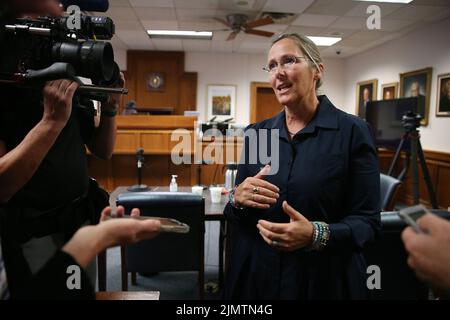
point(44, 182)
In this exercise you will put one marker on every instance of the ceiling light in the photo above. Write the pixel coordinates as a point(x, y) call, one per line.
point(180, 34)
point(324, 41)
point(387, 1)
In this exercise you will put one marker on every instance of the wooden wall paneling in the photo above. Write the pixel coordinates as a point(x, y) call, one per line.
point(423, 191)
point(144, 122)
point(124, 170)
point(443, 186)
point(212, 174)
point(126, 142)
point(171, 64)
point(184, 141)
point(101, 171)
point(438, 164)
point(183, 171)
point(155, 171)
point(155, 142)
point(188, 92)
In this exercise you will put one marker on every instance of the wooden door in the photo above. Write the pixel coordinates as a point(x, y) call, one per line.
point(263, 102)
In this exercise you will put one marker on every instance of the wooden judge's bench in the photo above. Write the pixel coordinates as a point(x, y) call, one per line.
point(154, 133)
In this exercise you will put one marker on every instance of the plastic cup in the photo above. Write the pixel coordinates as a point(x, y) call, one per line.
point(216, 194)
point(197, 190)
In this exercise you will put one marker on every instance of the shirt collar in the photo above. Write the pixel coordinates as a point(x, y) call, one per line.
point(325, 117)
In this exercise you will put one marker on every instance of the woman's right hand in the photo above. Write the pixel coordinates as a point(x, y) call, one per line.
point(257, 193)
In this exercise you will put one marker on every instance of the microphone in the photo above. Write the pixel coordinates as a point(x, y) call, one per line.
point(87, 5)
point(140, 158)
point(139, 163)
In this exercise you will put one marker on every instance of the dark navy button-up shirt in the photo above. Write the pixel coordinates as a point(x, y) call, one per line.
point(328, 172)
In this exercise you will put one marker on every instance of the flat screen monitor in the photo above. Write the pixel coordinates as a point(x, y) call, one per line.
point(385, 119)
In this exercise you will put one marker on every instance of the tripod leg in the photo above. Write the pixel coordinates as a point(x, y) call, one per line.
point(397, 154)
point(415, 168)
point(426, 176)
point(402, 174)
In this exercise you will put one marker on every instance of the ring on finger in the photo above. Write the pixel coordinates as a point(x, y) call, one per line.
point(255, 189)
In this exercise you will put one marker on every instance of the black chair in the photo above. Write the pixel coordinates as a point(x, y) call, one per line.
point(168, 251)
point(388, 190)
point(398, 281)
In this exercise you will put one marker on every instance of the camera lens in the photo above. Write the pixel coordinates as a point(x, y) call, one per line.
point(90, 59)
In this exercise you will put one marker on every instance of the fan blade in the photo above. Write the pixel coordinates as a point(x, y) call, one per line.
point(223, 21)
point(259, 23)
point(260, 33)
point(232, 35)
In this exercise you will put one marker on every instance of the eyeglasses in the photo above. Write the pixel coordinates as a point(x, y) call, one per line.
point(285, 62)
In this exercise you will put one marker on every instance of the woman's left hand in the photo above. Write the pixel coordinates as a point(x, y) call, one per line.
point(287, 236)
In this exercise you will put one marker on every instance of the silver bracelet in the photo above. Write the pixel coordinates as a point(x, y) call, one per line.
point(232, 200)
point(321, 235)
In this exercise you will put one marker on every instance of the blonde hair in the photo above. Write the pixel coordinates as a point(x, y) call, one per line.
point(307, 47)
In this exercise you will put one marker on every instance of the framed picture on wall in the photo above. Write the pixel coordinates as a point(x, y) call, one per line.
point(417, 84)
point(443, 96)
point(365, 91)
point(389, 91)
point(221, 101)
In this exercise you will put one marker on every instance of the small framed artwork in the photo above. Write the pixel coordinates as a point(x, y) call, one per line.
point(365, 91)
point(221, 101)
point(389, 91)
point(156, 81)
point(443, 96)
point(418, 84)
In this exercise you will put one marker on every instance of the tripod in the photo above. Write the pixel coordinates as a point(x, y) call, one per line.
point(411, 122)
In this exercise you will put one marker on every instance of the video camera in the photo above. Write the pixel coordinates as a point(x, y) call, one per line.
point(48, 48)
point(411, 121)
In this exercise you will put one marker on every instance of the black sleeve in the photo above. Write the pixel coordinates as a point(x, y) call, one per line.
point(363, 222)
point(51, 282)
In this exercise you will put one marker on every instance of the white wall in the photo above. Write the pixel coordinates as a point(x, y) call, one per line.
point(427, 47)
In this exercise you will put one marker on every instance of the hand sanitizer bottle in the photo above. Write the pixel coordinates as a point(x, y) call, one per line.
point(173, 184)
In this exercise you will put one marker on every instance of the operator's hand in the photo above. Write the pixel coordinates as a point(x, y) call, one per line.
point(112, 104)
point(429, 252)
point(58, 97)
point(89, 241)
point(122, 231)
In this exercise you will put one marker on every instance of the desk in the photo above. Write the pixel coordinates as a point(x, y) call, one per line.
point(213, 212)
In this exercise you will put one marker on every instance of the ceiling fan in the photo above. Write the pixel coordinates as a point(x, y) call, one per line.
point(239, 22)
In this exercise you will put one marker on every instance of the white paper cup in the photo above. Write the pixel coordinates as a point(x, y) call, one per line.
point(216, 194)
point(197, 190)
